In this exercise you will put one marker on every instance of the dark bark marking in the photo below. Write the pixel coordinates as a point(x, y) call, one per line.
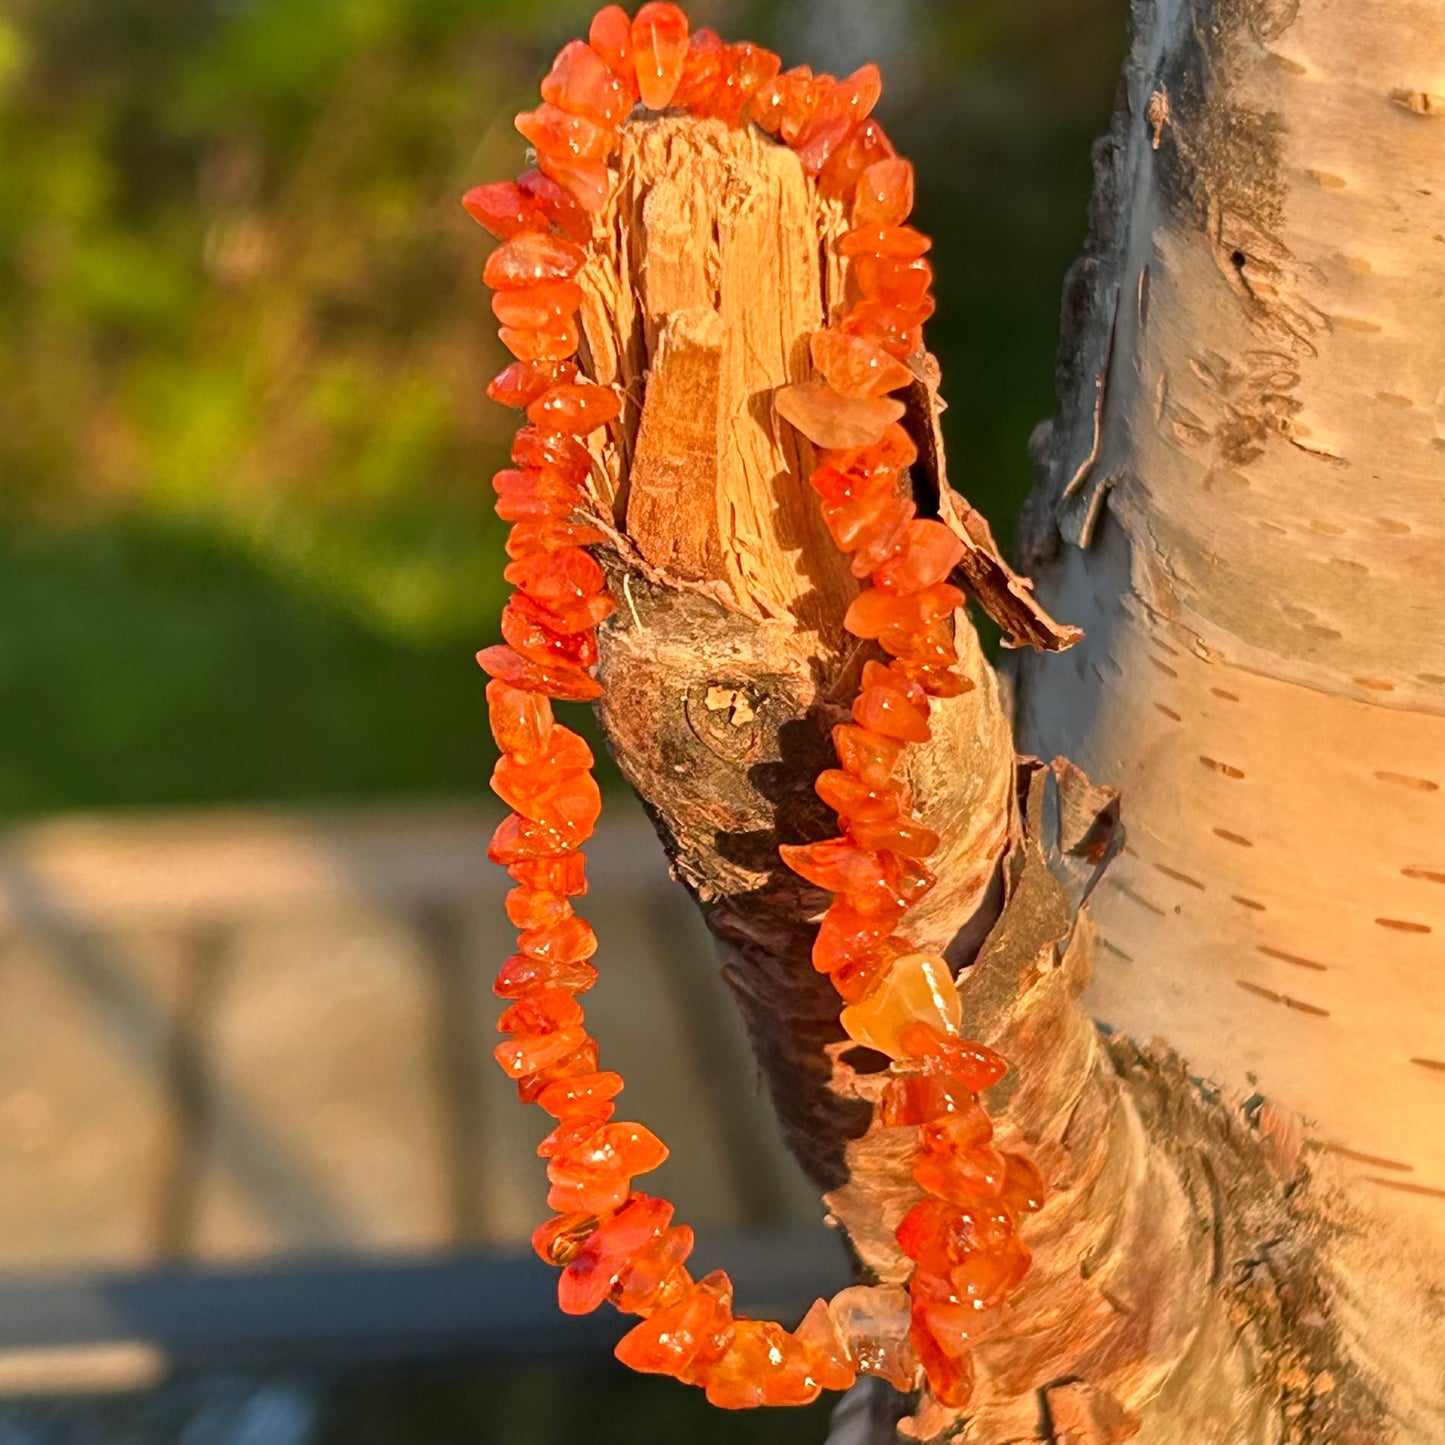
point(1179, 877)
point(1424, 875)
point(1285, 999)
point(1401, 925)
point(1372, 1159)
point(1298, 960)
point(1224, 769)
point(1404, 780)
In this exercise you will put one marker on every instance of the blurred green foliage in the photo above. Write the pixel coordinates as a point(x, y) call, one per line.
point(246, 546)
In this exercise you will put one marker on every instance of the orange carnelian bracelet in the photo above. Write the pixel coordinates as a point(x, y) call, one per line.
point(614, 1243)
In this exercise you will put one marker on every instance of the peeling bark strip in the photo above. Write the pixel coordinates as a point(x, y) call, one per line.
point(1133, 1320)
point(1240, 501)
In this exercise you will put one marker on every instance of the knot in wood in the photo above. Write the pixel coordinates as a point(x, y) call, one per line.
point(723, 716)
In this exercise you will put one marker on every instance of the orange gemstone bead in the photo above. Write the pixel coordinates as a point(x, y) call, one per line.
point(517, 838)
point(877, 674)
point(886, 710)
point(534, 908)
point(869, 880)
point(903, 284)
point(1024, 1190)
point(750, 68)
point(552, 343)
point(566, 582)
point(653, 1270)
point(898, 330)
point(704, 74)
point(947, 1366)
point(575, 1130)
point(800, 91)
point(576, 408)
point(857, 979)
point(568, 940)
point(521, 721)
point(559, 205)
point(918, 985)
point(988, 1278)
point(883, 535)
point(531, 494)
point(537, 307)
point(685, 1336)
point(868, 754)
point(582, 1060)
point(530, 1053)
point(853, 366)
point(543, 1011)
point(962, 1177)
point(827, 1351)
point(928, 553)
point(855, 509)
point(504, 209)
point(579, 1095)
point(905, 836)
point(914, 1099)
point(839, 489)
point(521, 973)
point(567, 802)
point(903, 243)
point(521, 383)
point(974, 1247)
point(565, 455)
point(558, 1240)
point(582, 82)
point(659, 52)
point(596, 1174)
point(894, 452)
point(587, 182)
point(566, 874)
point(927, 646)
point(874, 1321)
point(763, 1365)
point(610, 35)
point(526, 539)
point(542, 637)
point(590, 1275)
point(774, 93)
point(561, 581)
point(566, 683)
point(884, 194)
point(829, 419)
point(874, 610)
point(531, 258)
point(865, 147)
point(557, 132)
point(846, 936)
point(853, 799)
point(937, 680)
point(838, 111)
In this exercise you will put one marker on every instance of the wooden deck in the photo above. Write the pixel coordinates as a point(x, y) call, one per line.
point(248, 1041)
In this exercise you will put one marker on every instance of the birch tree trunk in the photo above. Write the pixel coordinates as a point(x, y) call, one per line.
point(1241, 504)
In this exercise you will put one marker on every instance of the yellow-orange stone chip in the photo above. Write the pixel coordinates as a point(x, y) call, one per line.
point(833, 421)
point(918, 988)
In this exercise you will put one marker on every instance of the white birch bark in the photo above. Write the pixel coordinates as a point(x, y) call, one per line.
point(1242, 502)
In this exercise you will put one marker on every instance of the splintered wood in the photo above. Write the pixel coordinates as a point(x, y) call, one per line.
point(719, 275)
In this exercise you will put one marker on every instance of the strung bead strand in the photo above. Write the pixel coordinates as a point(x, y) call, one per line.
point(612, 1242)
